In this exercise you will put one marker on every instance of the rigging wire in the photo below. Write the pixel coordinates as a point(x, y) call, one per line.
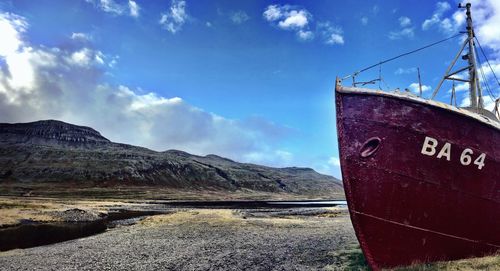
point(453, 95)
point(379, 76)
point(381, 79)
point(487, 61)
point(404, 54)
point(484, 81)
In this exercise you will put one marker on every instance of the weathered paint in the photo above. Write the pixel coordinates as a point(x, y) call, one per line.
point(407, 206)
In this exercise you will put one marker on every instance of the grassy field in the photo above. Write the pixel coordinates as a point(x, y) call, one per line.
point(490, 263)
point(134, 192)
point(355, 261)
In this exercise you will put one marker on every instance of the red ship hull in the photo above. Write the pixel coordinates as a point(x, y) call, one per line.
point(416, 185)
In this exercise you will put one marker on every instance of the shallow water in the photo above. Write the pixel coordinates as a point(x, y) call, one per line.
point(31, 234)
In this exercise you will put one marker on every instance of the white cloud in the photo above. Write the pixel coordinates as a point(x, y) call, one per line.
point(175, 18)
point(400, 71)
point(364, 20)
point(274, 13)
point(82, 57)
point(334, 161)
point(22, 74)
point(444, 24)
point(335, 38)
point(486, 20)
point(495, 68)
point(130, 8)
point(287, 17)
point(488, 103)
point(295, 20)
point(404, 21)
point(460, 87)
point(441, 7)
point(331, 34)
point(486, 16)
point(327, 165)
point(239, 17)
point(133, 8)
point(107, 6)
point(81, 36)
point(403, 33)
point(406, 31)
point(290, 18)
point(67, 84)
point(305, 35)
point(463, 87)
point(299, 20)
point(414, 87)
point(375, 9)
point(11, 27)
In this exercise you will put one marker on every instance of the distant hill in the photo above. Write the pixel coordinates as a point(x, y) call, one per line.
point(56, 152)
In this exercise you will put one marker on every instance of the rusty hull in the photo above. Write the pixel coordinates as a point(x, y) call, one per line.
point(407, 207)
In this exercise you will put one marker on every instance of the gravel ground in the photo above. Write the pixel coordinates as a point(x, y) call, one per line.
point(203, 240)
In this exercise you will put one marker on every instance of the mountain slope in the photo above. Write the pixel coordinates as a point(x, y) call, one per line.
point(58, 152)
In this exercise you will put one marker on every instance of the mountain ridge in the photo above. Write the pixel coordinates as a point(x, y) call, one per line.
point(58, 152)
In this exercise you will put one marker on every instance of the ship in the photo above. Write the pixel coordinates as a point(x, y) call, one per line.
point(421, 177)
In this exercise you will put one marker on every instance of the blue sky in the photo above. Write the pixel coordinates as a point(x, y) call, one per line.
point(249, 80)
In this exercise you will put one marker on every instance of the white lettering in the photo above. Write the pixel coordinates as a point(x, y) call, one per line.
point(480, 161)
point(445, 151)
point(429, 147)
point(465, 158)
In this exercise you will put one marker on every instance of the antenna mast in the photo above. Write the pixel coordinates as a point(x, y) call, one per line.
point(474, 88)
point(475, 92)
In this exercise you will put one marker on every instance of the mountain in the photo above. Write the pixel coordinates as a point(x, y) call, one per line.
point(56, 152)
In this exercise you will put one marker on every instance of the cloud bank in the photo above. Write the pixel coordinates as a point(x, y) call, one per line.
point(67, 84)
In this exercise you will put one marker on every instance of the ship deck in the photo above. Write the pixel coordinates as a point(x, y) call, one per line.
point(410, 97)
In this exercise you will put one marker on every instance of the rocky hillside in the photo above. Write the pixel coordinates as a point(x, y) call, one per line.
point(57, 152)
point(50, 132)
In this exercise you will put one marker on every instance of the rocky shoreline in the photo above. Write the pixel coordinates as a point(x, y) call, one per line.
point(204, 239)
point(185, 237)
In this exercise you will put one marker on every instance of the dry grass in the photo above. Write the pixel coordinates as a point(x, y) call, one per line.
point(219, 217)
point(489, 263)
point(13, 209)
point(116, 192)
point(352, 260)
point(14, 216)
point(209, 216)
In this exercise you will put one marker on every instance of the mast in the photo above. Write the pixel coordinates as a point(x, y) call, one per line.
point(471, 58)
point(475, 93)
point(419, 83)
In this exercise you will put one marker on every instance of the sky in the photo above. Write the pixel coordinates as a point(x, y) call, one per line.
point(249, 80)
